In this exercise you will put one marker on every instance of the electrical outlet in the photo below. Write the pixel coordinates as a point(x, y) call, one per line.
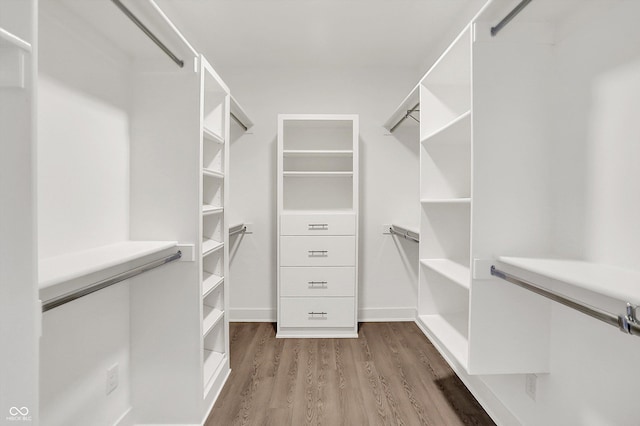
point(112, 378)
point(530, 385)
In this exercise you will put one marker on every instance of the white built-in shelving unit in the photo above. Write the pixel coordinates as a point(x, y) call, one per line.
point(133, 166)
point(507, 154)
point(317, 225)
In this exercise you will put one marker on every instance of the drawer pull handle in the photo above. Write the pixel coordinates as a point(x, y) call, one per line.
point(317, 284)
point(317, 315)
point(318, 226)
point(318, 252)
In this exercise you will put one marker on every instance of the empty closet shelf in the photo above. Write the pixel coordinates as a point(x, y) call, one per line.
point(457, 130)
point(317, 174)
point(210, 246)
point(213, 173)
point(210, 318)
point(68, 272)
point(210, 282)
point(208, 209)
point(210, 135)
point(316, 153)
point(458, 201)
point(614, 282)
point(457, 272)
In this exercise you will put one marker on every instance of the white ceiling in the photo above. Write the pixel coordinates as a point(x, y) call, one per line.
point(290, 33)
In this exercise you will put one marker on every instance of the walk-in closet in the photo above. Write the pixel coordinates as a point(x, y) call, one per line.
point(343, 213)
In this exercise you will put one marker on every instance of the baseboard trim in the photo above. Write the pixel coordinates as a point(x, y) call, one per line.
point(487, 399)
point(386, 314)
point(252, 315)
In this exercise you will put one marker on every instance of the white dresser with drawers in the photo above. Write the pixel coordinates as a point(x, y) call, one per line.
point(317, 225)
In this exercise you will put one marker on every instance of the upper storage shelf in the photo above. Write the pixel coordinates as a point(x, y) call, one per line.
point(8, 39)
point(327, 134)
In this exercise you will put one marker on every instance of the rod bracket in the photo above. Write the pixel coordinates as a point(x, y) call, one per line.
point(627, 321)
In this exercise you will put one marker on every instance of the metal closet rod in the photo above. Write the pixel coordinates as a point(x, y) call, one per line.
point(148, 32)
point(107, 282)
point(495, 30)
point(627, 323)
point(237, 229)
point(237, 120)
point(403, 232)
point(407, 115)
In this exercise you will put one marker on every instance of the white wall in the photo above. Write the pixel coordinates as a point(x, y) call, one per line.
point(388, 183)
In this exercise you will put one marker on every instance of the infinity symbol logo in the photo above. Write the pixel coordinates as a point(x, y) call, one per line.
point(14, 411)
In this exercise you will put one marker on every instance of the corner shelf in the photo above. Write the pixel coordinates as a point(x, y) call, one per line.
point(213, 361)
point(457, 272)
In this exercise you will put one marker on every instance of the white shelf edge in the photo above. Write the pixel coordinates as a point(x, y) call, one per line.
point(454, 271)
point(210, 282)
point(317, 174)
point(210, 246)
point(239, 112)
point(445, 201)
point(208, 209)
point(212, 136)
point(447, 126)
point(13, 40)
point(213, 173)
point(59, 269)
point(210, 318)
point(443, 329)
point(316, 153)
point(407, 103)
point(611, 281)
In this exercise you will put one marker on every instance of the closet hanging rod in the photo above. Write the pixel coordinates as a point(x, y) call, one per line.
point(237, 120)
point(403, 232)
point(627, 323)
point(237, 229)
point(404, 117)
point(148, 33)
point(107, 282)
point(495, 30)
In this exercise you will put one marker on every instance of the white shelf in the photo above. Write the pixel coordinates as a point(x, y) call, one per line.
point(316, 211)
point(459, 129)
point(210, 246)
point(9, 39)
point(446, 201)
point(451, 333)
point(213, 173)
point(207, 209)
point(59, 269)
point(316, 153)
point(212, 363)
point(210, 318)
point(455, 271)
point(407, 103)
point(212, 136)
point(317, 174)
point(611, 281)
point(210, 282)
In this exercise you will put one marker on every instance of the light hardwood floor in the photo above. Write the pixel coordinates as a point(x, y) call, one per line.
point(390, 375)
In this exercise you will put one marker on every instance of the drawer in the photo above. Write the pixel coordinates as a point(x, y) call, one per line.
point(318, 224)
point(318, 251)
point(317, 282)
point(317, 312)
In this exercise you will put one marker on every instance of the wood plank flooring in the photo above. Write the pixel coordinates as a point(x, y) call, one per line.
point(390, 375)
